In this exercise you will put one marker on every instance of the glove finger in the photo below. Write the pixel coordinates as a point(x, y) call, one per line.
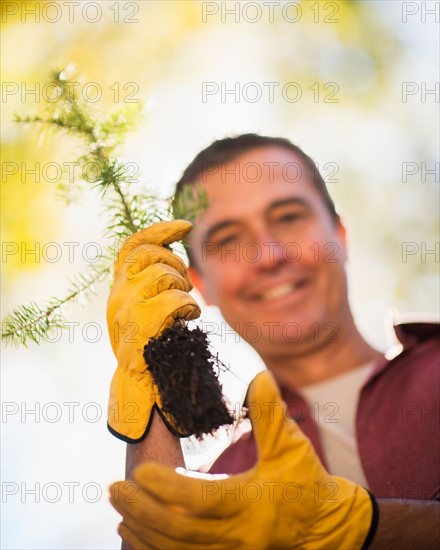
point(135, 543)
point(157, 314)
point(166, 232)
point(129, 531)
point(169, 535)
point(146, 255)
point(177, 304)
point(161, 233)
point(276, 435)
point(149, 518)
point(202, 498)
point(162, 277)
point(156, 541)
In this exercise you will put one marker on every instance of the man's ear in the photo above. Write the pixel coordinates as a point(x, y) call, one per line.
point(342, 234)
point(198, 283)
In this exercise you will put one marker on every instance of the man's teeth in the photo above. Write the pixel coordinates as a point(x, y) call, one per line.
point(278, 291)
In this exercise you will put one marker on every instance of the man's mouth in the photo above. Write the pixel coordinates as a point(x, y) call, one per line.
point(279, 291)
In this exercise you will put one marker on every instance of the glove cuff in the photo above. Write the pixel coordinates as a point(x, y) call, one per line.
point(132, 440)
point(374, 521)
point(130, 406)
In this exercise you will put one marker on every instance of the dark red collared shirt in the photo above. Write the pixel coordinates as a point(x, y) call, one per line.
point(397, 421)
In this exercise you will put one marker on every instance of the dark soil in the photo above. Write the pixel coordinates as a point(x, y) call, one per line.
point(186, 374)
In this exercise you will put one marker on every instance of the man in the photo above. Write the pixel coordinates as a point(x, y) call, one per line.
point(270, 251)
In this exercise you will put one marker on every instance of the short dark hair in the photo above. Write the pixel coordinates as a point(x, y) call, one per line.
point(224, 150)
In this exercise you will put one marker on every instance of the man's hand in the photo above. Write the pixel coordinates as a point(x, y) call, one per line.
point(150, 292)
point(288, 500)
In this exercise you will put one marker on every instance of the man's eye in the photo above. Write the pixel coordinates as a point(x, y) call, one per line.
point(226, 240)
point(290, 217)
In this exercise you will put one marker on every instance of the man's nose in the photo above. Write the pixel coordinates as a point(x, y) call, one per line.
point(270, 252)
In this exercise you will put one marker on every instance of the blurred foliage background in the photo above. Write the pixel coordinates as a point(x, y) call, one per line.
point(351, 63)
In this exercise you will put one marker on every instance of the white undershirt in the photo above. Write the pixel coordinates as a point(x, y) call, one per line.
point(333, 405)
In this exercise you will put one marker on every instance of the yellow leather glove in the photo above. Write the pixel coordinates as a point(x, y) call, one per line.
point(288, 500)
point(150, 291)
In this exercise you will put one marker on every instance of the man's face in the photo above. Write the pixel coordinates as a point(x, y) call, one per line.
point(269, 254)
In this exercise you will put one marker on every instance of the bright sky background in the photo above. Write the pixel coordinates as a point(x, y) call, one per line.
point(165, 54)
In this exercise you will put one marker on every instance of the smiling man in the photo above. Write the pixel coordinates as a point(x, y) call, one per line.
point(270, 251)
